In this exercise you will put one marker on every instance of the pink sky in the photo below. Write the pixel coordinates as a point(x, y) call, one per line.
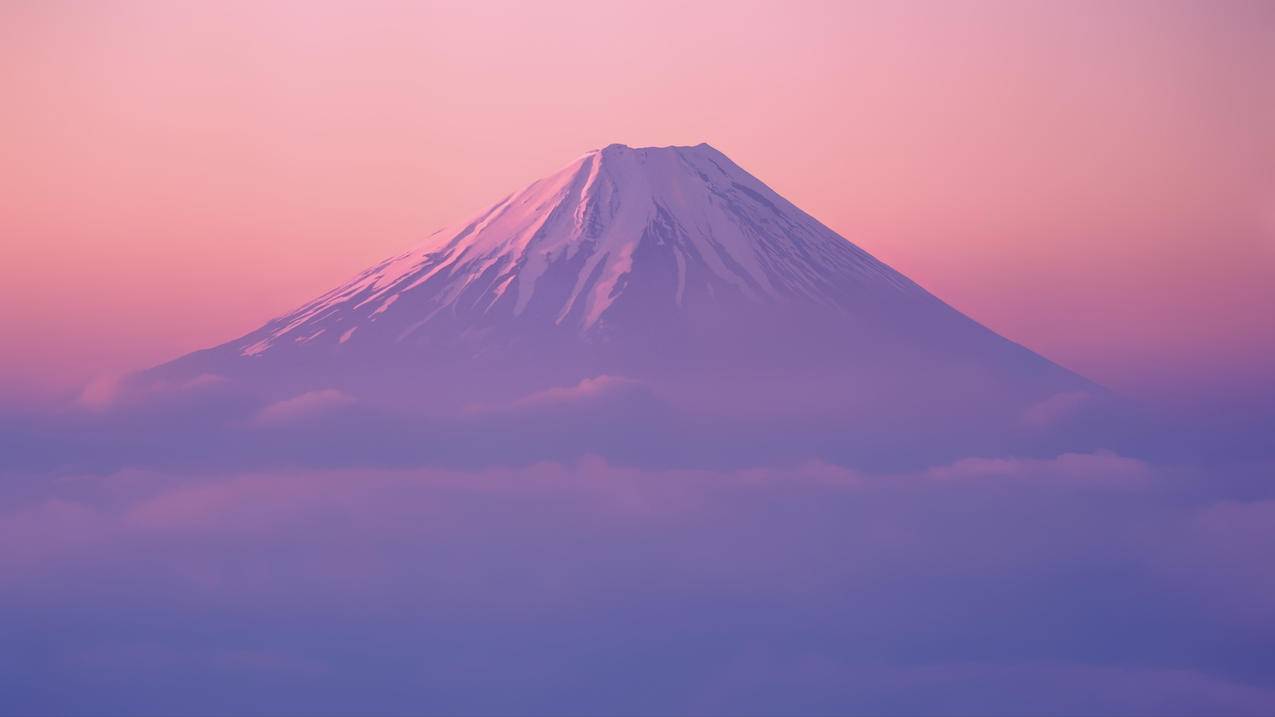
point(1095, 180)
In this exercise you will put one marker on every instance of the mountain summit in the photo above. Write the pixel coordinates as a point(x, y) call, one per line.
point(673, 228)
point(669, 268)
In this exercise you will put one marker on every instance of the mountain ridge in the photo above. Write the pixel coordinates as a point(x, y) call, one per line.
point(669, 266)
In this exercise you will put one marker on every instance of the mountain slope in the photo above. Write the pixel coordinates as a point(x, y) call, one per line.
point(668, 266)
point(563, 250)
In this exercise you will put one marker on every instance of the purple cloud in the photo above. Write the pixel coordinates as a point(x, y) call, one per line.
point(988, 584)
point(1057, 408)
point(308, 404)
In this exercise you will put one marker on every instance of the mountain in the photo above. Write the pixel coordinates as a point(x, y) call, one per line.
point(666, 268)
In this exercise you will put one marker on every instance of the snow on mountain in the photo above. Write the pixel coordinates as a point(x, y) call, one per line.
point(723, 229)
point(671, 266)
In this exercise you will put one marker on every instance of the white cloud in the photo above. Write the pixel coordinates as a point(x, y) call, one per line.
point(307, 404)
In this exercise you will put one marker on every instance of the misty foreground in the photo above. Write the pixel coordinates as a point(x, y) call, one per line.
point(597, 549)
point(1084, 583)
point(642, 438)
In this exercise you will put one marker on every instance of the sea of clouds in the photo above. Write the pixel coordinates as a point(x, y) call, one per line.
point(1077, 583)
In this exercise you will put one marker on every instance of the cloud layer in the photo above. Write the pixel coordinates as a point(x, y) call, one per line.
point(1085, 583)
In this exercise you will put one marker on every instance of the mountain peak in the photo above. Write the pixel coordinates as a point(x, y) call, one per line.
point(617, 150)
point(566, 249)
point(619, 147)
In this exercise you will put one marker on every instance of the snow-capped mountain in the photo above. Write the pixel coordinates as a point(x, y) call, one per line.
point(668, 266)
point(568, 248)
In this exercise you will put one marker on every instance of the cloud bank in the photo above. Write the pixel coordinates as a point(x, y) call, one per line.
point(1088, 583)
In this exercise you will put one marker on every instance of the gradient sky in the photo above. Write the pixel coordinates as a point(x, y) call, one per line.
point(1095, 180)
